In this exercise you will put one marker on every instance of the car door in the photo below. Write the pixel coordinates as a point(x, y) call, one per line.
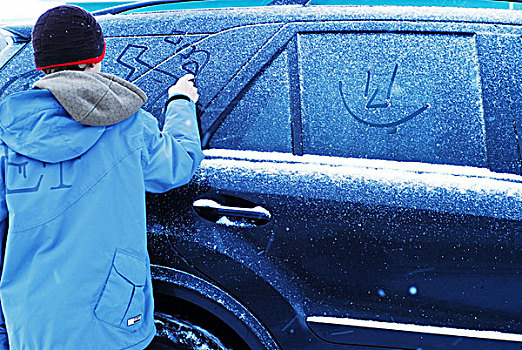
point(362, 176)
point(352, 175)
point(418, 230)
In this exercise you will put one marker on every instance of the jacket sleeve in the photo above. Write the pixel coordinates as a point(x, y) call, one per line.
point(4, 344)
point(172, 155)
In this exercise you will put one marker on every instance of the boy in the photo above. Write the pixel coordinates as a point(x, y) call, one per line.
point(78, 154)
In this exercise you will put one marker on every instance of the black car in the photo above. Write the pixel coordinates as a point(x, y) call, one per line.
point(362, 184)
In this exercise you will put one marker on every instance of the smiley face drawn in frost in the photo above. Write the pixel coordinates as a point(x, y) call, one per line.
point(371, 104)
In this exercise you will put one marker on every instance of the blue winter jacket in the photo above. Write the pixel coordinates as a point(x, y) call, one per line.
point(76, 271)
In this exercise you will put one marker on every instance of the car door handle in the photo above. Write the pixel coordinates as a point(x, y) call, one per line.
point(209, 207)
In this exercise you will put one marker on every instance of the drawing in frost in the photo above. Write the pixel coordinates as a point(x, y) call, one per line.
point(370, 104)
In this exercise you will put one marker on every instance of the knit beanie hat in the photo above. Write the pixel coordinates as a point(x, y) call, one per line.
point(67, 35)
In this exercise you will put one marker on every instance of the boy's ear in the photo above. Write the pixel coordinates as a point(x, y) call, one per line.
point(84, 66)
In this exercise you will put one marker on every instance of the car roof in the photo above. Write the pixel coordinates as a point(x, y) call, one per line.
point(132, 24)
point(163, 23)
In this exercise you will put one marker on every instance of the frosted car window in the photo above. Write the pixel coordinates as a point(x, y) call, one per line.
point(261, 119)
point(397, 96)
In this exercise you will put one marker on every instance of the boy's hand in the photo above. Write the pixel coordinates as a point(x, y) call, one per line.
point(185, 86)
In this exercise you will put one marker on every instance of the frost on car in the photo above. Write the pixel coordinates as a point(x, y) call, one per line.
point(362, 186)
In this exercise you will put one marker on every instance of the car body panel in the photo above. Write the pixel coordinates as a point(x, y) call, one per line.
point(363, 246)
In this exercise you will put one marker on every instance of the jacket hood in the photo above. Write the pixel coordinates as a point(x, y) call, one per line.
point(38, 124)
point(34, 124)
point(95, 99)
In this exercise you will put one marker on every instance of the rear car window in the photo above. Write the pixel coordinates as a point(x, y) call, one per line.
point(397, 96)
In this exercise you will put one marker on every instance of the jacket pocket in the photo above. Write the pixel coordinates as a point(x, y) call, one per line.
point(122, 302)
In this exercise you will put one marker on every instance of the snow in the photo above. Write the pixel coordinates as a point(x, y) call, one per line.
point(442, 188)
point(412, 290)
point(227, 222)
point(278, 157)
point(206, 203)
